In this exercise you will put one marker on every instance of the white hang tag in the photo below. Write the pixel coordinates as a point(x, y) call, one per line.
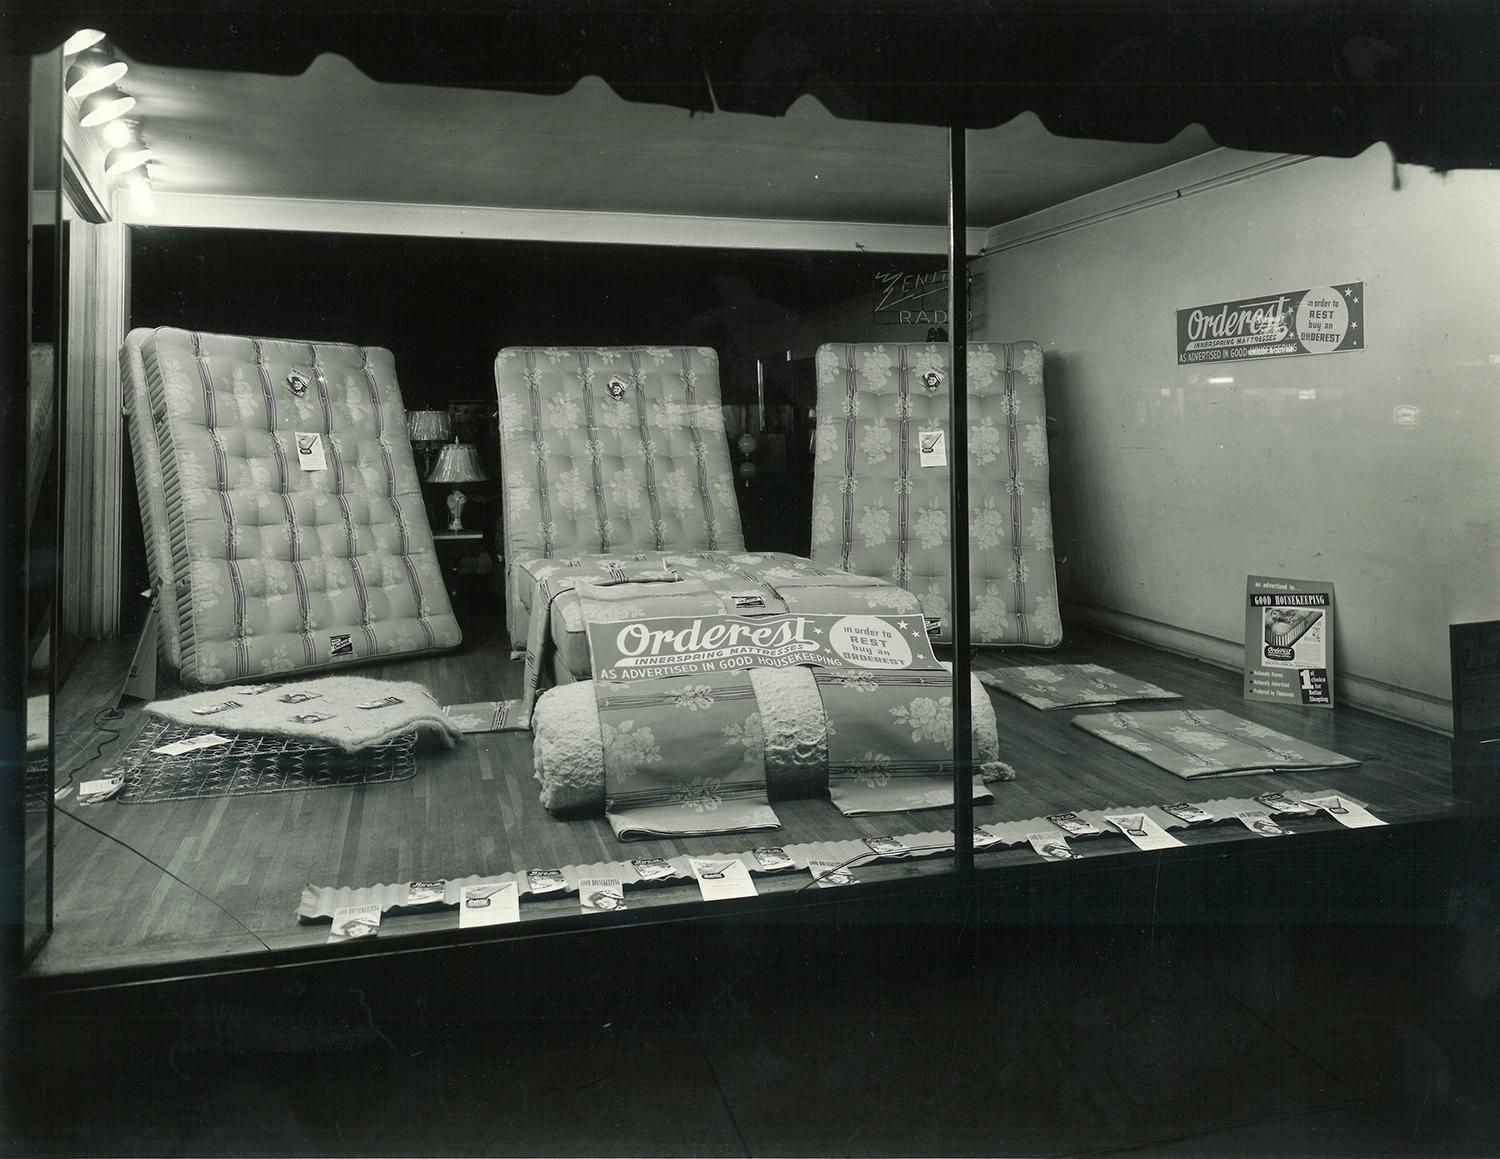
point(1345, 811)
point(1143, 831)
point(932, 448)
point(310, 453)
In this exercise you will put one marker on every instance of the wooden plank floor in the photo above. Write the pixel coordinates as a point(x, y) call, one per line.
point(474, 810)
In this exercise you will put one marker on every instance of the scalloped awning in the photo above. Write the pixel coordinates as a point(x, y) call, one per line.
point(1315, 78)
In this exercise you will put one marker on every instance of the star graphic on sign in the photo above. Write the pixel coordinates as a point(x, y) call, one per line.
point(903, 625)
point(817, 631)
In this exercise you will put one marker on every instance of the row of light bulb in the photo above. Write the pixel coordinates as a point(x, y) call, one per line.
point(91, 81)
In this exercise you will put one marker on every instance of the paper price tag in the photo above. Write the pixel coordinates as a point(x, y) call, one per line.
point(1189, 813)
point(1075, 826)
point(489, 905)
point(886, 846)
point(932, 448)
point(720, 878)
point(1278, 803)
point(1051, 846)
point(1143, 832)
point(983, 838)
point(1259, 822)
point(653, 869)
point(311, 455)
point(1346, 812)
point(92, 792)
point(425, 893)
point(178, 747)
point(546, 880)
point(773, 860)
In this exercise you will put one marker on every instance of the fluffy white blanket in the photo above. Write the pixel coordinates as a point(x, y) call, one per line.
point(347, 712)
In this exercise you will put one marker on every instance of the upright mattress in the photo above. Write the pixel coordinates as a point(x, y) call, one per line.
point(266, 559)
point(610, 451)
point(878, 511)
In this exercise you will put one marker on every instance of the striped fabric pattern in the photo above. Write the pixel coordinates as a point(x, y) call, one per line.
point(264, 567)
point(878, 511)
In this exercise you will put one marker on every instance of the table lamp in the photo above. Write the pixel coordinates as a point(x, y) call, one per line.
point(427, 428)
point(457, 463)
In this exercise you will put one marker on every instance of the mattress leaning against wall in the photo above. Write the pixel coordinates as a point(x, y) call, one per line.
point(265, 560)
point(880, 498)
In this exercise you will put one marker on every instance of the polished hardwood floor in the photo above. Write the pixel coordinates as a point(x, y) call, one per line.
point(474, 810)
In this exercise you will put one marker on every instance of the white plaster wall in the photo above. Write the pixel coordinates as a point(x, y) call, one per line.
point(1169, 489)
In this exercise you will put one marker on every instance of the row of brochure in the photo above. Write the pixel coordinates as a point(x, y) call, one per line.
point(720, 878)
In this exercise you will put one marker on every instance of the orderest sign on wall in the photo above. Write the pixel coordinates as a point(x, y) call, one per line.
point(1321, 320)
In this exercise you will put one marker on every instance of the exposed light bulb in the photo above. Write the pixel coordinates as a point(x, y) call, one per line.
point(117, 134)
point(140, 193)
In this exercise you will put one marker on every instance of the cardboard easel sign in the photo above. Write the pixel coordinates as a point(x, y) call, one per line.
point(1289, 641)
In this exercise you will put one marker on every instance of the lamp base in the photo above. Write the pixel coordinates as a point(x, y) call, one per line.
point(456, 501)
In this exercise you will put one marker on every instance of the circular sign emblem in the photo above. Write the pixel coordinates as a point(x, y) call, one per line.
point(869, 642)
point(1322, 319)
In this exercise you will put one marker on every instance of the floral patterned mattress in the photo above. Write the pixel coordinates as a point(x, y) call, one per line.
point(285, 526)
point(610, 451)
point(881, 481)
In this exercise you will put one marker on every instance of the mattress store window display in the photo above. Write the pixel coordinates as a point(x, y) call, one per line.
point(989, 655)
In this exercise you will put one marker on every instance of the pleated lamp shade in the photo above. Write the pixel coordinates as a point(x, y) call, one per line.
point(427, 426)
point(457, 463)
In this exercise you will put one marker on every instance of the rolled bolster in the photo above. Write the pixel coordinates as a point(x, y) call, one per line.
point(568, 748)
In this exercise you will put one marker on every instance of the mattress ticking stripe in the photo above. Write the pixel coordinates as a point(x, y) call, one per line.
point(390, 479)
point(1018, 564)
point(231, 529)
point(539, 452)
point(903, 479)
point(596, 449)
point(846, 485)
point(294, 532)
point(700, 452)
point(351, 536)
point(648, 451)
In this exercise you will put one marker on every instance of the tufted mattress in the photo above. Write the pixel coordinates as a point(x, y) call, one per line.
point(262, 566)
point(610, 451)
point(878, 511)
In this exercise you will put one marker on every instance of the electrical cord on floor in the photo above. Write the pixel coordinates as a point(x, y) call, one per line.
point(113, 735)
point(152, 861)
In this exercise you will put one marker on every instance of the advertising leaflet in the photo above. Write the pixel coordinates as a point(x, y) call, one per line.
point(1289, 641)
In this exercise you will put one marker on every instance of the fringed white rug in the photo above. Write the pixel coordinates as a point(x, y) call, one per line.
point(347, 712)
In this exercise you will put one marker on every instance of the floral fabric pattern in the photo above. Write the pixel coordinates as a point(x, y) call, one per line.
point(876, 403)
point(1209, 742)
point(1050, 686)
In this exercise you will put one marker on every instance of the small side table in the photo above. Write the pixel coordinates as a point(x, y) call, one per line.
point(465, 588)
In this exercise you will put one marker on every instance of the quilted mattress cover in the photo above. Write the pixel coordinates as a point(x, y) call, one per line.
point(611, 450)
point(878, 511)
point(260, 566)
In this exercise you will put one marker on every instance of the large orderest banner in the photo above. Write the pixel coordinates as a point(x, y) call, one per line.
point(646, 648)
